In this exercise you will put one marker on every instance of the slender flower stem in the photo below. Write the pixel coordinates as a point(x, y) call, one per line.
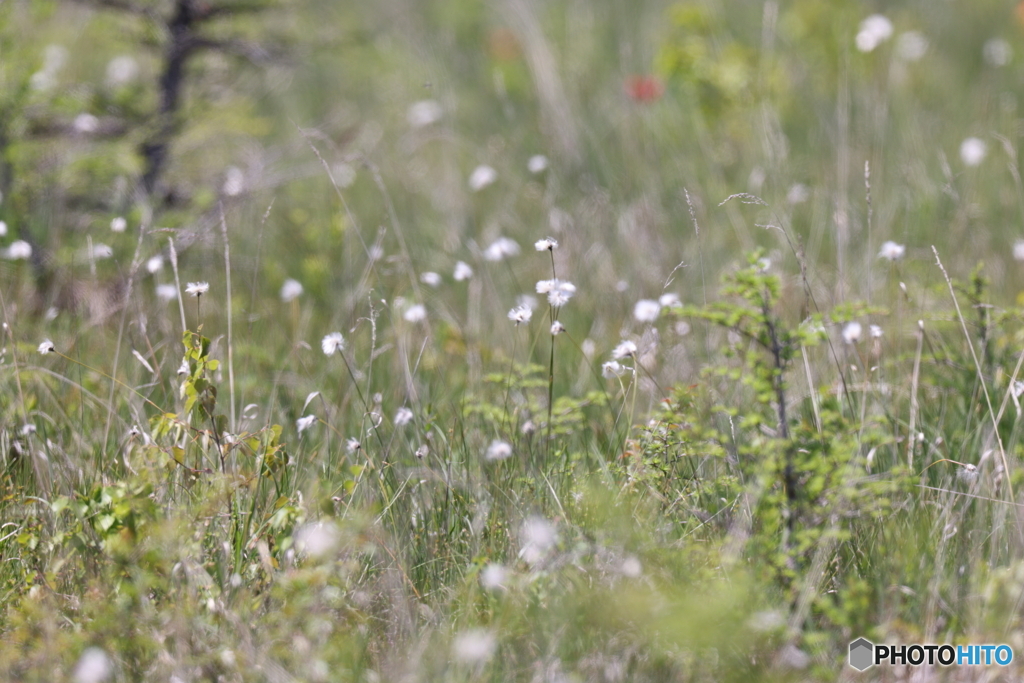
point(106, 376)
point(362, 399)
point(632, 406)
point(508, 385)
point(551, 361)
point(551, 380)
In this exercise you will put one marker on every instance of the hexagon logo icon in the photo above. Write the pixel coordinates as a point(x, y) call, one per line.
point(862, 654)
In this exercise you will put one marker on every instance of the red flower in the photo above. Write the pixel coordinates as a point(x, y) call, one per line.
point(644, 89)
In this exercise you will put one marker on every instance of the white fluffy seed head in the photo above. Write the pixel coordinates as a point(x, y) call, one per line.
point(646, 310)
point(197, 288)
point(498, 450)
point(520, 314)
point(891, 251)
point(973, 151)
point(332, 343)
point(625, 349)
point(291, 290)
point(481, 177)
point(462, 271)
point(474, 647)
point(415, 313)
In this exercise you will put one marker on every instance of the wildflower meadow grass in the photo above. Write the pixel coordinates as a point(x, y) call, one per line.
point(286, 394)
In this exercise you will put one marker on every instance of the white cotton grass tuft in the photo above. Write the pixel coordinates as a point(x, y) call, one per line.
point(403, 416)
point(332, 343)
point(3, 228)
point(85, 123)
point(19, 250)
point(669, 300)
point(875, 331)
point(424, 113)
point(538, 163)
point(46, 347)
point(873, 31)
point(631, 567)
point(538, 537)
point(121, 70)
point(352, 445)
point(197, 288)
point(646, 310)
point(968, 473)
point(911, 46)
point(852, 332)
point(494, 577)
point(891, 251)
point(291, 290)
point(474, 647)
point(234, 181)
point(1018, 250)
point(166, 293)
point(93, 666)
point(416, 313)
point(613, 369)
point(99, 252)
point(625, 349)
point(557, 328)
point(520, 314)
point(304, 423)
point(119, 224)
point(973, 151)
point(997, 52)
point(546, 244)
point(501, 248)
point(481, 177)
point(430, 279)
point(155, 264)
point(498, 450)
point(798, 194)
point(559, 291)
point(317, 539)
point(463, 271)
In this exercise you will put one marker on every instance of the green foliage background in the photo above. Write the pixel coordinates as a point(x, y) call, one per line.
point(758, 487)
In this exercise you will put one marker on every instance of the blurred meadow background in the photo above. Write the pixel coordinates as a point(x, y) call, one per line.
point(563, 340)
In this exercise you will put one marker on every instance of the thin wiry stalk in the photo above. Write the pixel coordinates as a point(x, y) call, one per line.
point(551, 361)
point(981, 377)
point(810, 388)
point(231, 348)
point(136, 262)
point(256, 270)
point(796, 246)
point(871, 213)
point(551, 381)
point(1009, 389)
point(508, 385)
point(362, 400)
point(912, 436)
point(177, 281)
point(703, 283)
